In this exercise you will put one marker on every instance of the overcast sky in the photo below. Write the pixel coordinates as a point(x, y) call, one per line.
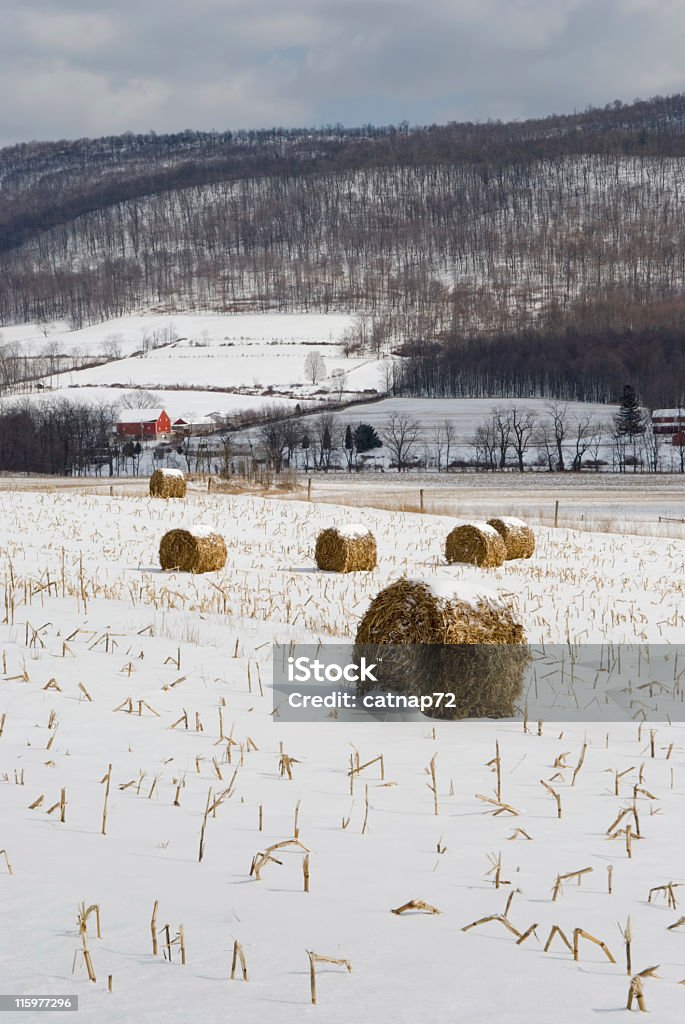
point(73, 68)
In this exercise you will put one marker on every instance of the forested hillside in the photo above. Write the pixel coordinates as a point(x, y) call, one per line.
point(442, 234)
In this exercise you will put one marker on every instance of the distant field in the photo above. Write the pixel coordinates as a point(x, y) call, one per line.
point(177, 403)
point(212, 327)
point(246, 351)
point(466, 413)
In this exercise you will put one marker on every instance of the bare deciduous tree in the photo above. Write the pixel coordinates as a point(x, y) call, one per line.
point(400, 433)
point(314, 367)
point(522, 423)
point(139, 399)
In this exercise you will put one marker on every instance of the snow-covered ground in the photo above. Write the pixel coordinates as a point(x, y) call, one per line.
point(198, 328)
point(238, 365)
point(86, 604)
point(465, 414)
point(237, 350)
point(176, 402)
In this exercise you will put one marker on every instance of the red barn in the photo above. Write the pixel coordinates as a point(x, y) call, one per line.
point(143, 424)
point(668, 421)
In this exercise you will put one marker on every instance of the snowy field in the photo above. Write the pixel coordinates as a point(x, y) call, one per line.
point(248, 350)
point(238, 365)
point(199, 328)
point(86, 604)
point(651, 504)
point(465, 414)
point(176, 402)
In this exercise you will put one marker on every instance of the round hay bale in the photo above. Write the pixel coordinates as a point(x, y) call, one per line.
point(346, 549)
point(167, 483)
point(434, 636)
point(476, 543)
point(518, 537)
point(196, 550)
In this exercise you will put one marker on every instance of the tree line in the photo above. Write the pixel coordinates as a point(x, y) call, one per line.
point(450, 233)
point(581, 363)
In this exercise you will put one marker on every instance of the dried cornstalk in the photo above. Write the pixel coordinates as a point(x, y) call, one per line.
point(107, 780)
point(525, 935)
point(366, 810)
point(636, 994)
point(580, 933)
point(285, 765)
point(419, 905)
point(201, 852)
point(4, 854)
point(82, 919)
point(566, 878)
point(317, 958)
point(433, 786)
point(627, 936)
point(579, 765)
point(262, 858)
point(636, 989)
point(669, 889)
point(556, 930)
point(238, 955)
point(494, 917)
point(356, 768)
point(519, 832)
point(501, 807)
point(554, 793)
point(496, 870)
point(153, 929)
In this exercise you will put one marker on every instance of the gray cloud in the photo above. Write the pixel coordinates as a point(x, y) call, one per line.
point(70, 68)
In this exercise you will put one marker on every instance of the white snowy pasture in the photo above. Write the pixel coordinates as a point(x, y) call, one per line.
point(166, 677)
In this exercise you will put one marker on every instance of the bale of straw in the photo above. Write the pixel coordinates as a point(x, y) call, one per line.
point(518, 537)
point(434, 636)
point(346, 549)
point(476, 543)
point(196, 550)
point(167, 483)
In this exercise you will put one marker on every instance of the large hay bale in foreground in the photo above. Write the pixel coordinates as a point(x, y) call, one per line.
point(346, 549)
point(444, 636)
point(476, 543)
point(167, 483)
point(196, 550)
point(519, 539)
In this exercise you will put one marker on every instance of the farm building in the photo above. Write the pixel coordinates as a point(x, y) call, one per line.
point(152, 424)
point(192, 424)
point(668, 421)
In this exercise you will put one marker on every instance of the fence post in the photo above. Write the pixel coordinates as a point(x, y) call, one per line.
point(421, 498)
point(556, 513)
point(309, 489)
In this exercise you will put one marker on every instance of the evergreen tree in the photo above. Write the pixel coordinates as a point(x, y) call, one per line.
point(366, 438)
point(630, 418)
point(630, 424)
